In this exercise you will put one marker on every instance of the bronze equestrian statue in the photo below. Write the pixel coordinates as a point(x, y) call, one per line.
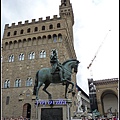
point(56, 65)
point(59, 73)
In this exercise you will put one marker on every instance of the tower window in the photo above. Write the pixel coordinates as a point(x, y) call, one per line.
point(54, 38)
point(36, 29)
point(59, 37)
point(17, 83)
point(43, 27)
point(31, 55)
point(8, 34)
point(21, 32)
point(58, 25)
point(42, 54)
point(15, 32)
point(51, 27)
point(21, 56)
point(49, 36)
point(11, 58)
point(7, 84)
point(28, 30)
point(29, 82)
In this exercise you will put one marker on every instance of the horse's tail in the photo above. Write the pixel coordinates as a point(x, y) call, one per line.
point(36, 84)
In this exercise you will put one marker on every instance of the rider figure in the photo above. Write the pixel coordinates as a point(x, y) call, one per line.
point(55, 64)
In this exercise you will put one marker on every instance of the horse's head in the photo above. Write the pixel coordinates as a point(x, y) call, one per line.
point(75, 66)
point(71, 64)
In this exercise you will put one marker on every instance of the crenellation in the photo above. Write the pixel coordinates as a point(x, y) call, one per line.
point(26, 22)
point(48, 18)
point(40, 19)
point(33, 20)
point(55, 16)
point(6, 26)
point(13, 25)
point(20, 23)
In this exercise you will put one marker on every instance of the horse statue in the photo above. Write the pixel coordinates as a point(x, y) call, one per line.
point(44, 76)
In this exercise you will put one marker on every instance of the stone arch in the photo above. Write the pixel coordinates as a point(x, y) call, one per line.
point(21, 31)
point(27, 110)
point(59, 37)
point(43, 27)
point(44, 37)
point(50, 26)
point(44, 41)
point(35, 29)
point(8, 34)
point(54, 38)
point(19, 43)
point(15, 44)
point(15, 32)
point(24, 42)
point(6, 45)
point(39, 40)
point(28, 30)
point(58, 25)
point(109, 99)
point(39, 37)
point(49, 38)
point(29, 41)
point(11, 45)
point(34, 41)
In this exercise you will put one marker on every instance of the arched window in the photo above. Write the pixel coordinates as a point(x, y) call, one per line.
point(7, 84)
point(43, 27)
point(21, 56)
point(49, 37)
point(54, 38)
point(11, 58)
point(17, 83)
point(59, 37)
point(36, 29)
point(15, 32)
point(28, 30)
point(8, 34)
point(31, 55)
point(43, 54)
point(29, 82)
point(58, 25)
point(21, 32)
point(51, 27)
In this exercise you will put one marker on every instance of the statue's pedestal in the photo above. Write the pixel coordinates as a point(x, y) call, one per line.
point(55, 109)
point(109, 115)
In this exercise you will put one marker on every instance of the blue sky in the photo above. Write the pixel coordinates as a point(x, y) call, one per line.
point(93, 19)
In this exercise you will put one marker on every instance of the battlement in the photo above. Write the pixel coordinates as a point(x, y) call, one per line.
point(13, 25)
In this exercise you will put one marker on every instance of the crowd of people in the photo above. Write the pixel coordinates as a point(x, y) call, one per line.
point(15, 118)
point(24, 118)
point(113, 118)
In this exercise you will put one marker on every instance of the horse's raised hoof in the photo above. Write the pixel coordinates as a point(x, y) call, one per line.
point(70, 91)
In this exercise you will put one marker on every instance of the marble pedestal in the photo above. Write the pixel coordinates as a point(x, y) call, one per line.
point(55, 109)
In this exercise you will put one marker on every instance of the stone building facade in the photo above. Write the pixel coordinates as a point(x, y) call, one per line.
point(106, 96)
point(26, 49)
